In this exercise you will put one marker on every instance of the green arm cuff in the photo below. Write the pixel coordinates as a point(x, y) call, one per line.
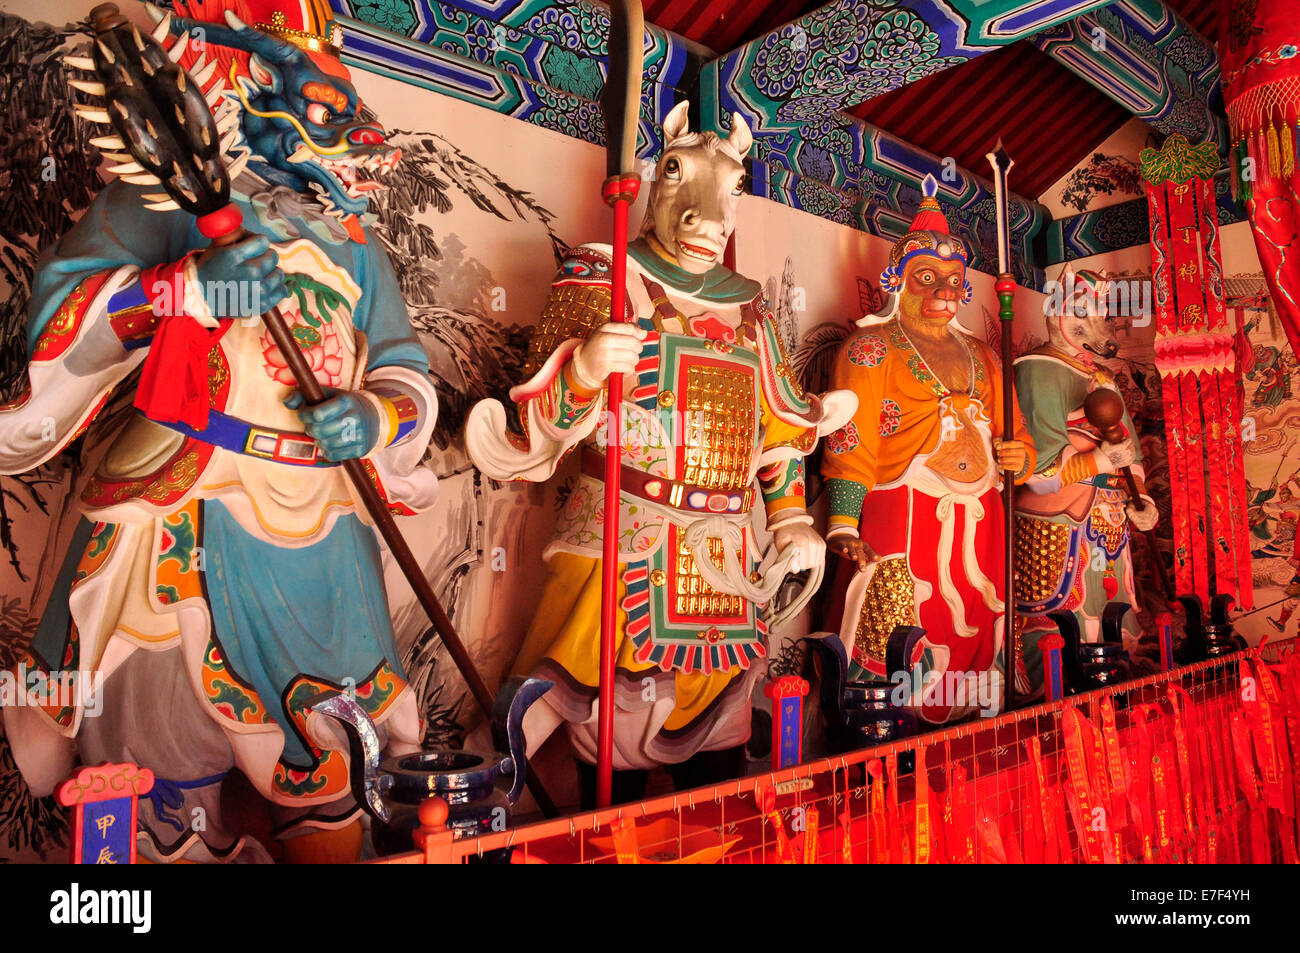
point(845, 497)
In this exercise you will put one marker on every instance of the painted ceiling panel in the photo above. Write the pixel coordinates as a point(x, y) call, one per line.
point(1046, 116)
point(722, 25)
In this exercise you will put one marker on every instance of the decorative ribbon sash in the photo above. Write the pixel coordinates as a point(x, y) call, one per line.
point(973, 512)
point(731, 577)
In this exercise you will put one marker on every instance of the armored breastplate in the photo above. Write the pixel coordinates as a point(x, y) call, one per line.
point(714, 388)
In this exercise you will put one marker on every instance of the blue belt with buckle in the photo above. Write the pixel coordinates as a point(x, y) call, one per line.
point(266, 443)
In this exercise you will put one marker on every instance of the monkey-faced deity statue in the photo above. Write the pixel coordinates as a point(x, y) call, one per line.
point(913, 481)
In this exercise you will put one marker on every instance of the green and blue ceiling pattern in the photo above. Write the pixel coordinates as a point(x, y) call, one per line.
point(541, 61)
point(545, 61)
point(854, 50)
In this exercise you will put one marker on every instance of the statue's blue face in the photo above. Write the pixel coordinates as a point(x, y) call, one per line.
point(306, 132)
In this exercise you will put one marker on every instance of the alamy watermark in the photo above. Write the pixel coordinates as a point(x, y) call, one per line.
point(1125, 298)
point(238, 299)
point(24, 687)
point(953, 689)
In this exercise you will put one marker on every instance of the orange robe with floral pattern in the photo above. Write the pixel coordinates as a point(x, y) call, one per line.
point(913, 473)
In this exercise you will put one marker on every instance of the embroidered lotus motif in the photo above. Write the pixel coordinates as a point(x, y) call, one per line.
point(868, 350)
point(319, 343)
point(891, 416)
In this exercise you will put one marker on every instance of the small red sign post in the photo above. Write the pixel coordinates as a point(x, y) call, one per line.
point(787, 694)
point(104, 800)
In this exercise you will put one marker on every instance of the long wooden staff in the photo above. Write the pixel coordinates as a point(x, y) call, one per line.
point(180, 147)
point(1006, 290)
point(621, 104)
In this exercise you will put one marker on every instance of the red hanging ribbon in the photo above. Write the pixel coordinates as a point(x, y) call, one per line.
point(1140, 796)
point(1077, 768)
point(961, 837)
point(923, 836)
point(173, 385)
point(1040, 844)
point(879, 847)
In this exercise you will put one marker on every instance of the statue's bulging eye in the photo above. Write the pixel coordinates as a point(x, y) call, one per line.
point(318, 114)
point(673, 169)
point(740, 185)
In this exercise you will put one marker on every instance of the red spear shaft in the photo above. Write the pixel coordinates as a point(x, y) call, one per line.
point(621, 104)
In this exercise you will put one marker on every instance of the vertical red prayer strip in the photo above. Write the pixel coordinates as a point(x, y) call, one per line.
point(1185, 257)
point(1222, 534)
point(1140, 797)
point(880, 837)
point(1178, 467)
point(922, 799)
point(1217, 317)
point(1161, 260)
point(1076, 745)
point(1196, 503)
point(1237, 498)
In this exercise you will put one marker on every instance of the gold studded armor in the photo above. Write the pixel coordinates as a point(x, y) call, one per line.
point(572, 311)
point(1042, 548)
point(718, 427)
point(695, 597)
point(890, 601)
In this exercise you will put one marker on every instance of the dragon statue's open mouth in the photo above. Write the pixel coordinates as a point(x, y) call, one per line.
point(343, 183)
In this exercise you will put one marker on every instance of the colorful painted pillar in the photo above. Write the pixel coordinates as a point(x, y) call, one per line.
point(787, 694)
point(104, 800)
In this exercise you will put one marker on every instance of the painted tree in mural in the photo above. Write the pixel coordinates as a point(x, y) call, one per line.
point(217, 530)
point(713, 409)
point(47, 178)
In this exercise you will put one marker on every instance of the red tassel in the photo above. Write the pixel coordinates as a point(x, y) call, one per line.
point(173, 384)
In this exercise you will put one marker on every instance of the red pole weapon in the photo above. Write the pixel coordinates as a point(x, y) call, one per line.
point(179, 146)
point(1006, 290)
point(621, 104)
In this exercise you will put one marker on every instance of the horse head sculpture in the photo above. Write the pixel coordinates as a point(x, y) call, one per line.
point(696, 189)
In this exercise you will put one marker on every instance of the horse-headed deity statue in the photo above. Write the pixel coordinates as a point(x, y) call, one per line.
point(716, 425)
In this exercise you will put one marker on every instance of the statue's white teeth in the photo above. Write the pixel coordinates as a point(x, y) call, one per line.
point(695, 251)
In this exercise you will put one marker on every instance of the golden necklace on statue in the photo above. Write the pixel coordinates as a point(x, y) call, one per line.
point(969, 389)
